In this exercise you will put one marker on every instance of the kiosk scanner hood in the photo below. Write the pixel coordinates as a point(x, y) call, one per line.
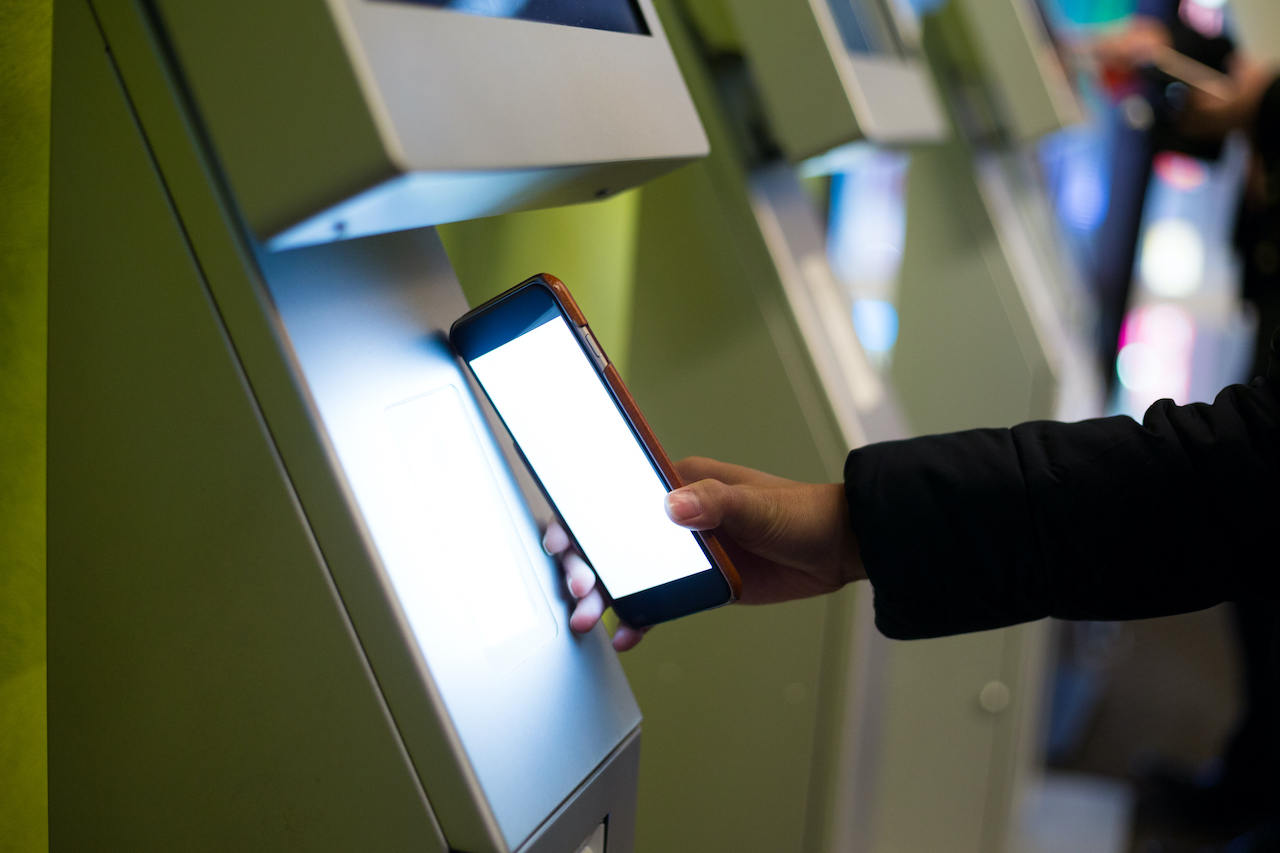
point(351, 117)
point(860, 78)
point(296, 594)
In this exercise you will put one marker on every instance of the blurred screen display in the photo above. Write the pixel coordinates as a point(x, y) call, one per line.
point(619, 16)
point(863, 26)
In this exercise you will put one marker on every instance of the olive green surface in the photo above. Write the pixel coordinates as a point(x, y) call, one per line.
point(968, 352)
point(24, 168)
point(590, 247)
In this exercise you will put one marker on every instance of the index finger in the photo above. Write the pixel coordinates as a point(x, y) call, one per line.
point(555, 540)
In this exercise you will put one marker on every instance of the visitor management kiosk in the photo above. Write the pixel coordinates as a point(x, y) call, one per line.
point(296, 598)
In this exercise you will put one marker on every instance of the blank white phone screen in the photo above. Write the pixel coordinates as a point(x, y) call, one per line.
point(583, 451)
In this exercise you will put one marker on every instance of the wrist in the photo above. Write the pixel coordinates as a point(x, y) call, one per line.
point(850, 553)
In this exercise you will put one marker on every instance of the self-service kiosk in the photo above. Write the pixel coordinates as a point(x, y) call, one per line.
point(827, 74)
point(296, 595)
point(742, 347)
point(995, 345)
point(990, 336)
point(737, 347)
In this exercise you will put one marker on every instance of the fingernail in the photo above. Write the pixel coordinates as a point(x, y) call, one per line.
point(545, 549)
point(683, 505)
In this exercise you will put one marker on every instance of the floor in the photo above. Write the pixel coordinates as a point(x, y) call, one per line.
point(1168, 690)
point(1075, 813)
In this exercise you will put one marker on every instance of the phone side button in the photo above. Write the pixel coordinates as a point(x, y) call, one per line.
point(596, 349)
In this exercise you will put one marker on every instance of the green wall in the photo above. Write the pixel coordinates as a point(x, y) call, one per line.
point(590, 247)
point(24, 174)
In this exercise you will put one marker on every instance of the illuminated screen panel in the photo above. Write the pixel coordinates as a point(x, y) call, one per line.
point(583, 451)
point(862, 26)
point(619, 16)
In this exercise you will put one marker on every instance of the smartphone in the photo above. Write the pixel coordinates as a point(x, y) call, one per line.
point(591, 452)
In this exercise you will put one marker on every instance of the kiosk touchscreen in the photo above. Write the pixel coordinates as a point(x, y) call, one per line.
point(620, 16)
point(296, 594)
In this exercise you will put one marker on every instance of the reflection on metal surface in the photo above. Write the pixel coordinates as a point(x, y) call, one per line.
point(462, 519)
point(523, 696)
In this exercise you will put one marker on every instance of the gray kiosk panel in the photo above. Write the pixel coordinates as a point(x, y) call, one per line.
point(296, 595)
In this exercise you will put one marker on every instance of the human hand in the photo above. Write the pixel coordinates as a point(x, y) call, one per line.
point(592, 599)
point(788, 540)
point(1213, 116)
point(1134, 47)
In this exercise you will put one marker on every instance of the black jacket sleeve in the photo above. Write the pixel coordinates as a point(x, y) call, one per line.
point(1267, 125)
point(1102, 519)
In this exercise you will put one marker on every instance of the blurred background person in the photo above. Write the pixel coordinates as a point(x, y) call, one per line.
point(1147, 119)
point(1240, 793)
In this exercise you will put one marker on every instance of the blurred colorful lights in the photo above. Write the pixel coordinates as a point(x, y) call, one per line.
point(1204, 16)
point(868, 224)
point(1180, 171)
point(1173, 258)
point(876, 322)
point(1082, 199)
point(1155, 353)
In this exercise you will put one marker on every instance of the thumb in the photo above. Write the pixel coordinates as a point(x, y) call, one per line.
point(748, 515)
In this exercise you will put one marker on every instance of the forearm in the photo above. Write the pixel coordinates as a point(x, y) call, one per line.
point(1104, 519)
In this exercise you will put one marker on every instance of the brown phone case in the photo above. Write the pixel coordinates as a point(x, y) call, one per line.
point(619, 388)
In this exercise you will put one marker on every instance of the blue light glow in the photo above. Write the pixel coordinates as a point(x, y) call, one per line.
point(1076, 169)
point(619, 16)
point(491, 8)
point(876, 322)
point(867, 229)
point(925, 7)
